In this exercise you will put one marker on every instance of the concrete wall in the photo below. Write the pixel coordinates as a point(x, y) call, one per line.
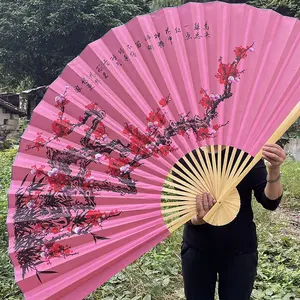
point(294, 148)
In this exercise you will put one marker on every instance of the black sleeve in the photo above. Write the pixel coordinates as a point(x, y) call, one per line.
point(258, 181)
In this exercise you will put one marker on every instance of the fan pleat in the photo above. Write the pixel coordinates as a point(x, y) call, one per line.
point(161, 63)
point(117, 233)
point(279, 115)
point(94, 262)
point(152, 167)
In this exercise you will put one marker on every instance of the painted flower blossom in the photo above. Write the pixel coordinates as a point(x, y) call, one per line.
point(92, 106)
point(61, 127)
point(38, 171)
point(226, 71)
point(58, 181)
point(202, 133)
point(115, 165)
point(206, 101)
point(165, 150)
point(164, 101)
point(39, 141)
point(138, 140)
point(96, 217)
point(52, 250)
point(157, 118)
point(98, 132)
point(61, 100)
point(240, 52)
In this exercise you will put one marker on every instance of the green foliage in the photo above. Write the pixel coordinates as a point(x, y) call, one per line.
point(8, 287)
point(157, 4)
point(6, 160)
point(157, 274)
point(279, 258)
point(289, 8)
point(39, 37)
point(290, 180)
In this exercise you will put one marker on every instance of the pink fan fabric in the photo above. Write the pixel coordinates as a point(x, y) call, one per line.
point(85, 196)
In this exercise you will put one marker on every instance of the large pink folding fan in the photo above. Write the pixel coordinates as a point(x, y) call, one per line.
point(93, 186)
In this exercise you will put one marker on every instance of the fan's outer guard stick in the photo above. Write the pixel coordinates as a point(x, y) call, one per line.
point(285, 125)
point(230, 175)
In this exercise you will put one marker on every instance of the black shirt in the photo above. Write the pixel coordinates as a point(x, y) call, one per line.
point(239, 235)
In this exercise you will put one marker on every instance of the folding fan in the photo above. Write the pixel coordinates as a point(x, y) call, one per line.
point(93, 186)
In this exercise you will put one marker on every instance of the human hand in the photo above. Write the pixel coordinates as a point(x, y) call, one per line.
point(204, 202)
point(274, 154)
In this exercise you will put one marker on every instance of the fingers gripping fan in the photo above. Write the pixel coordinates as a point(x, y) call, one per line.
point(94, 185)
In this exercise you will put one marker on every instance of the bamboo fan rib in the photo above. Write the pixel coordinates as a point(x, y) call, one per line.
point(208, 169)
point(215, 171)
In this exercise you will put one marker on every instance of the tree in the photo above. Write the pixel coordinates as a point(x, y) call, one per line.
point(39, 37)
point(289, 8)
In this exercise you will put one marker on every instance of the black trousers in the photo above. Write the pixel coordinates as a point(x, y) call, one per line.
point(236, 274)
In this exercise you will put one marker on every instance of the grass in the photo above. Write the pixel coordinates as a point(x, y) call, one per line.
point(157, 274)
point(291, 180)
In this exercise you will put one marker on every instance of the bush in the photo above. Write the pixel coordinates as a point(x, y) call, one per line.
point(8, 287)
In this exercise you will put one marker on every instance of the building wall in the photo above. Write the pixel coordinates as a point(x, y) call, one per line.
point(9, 120)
